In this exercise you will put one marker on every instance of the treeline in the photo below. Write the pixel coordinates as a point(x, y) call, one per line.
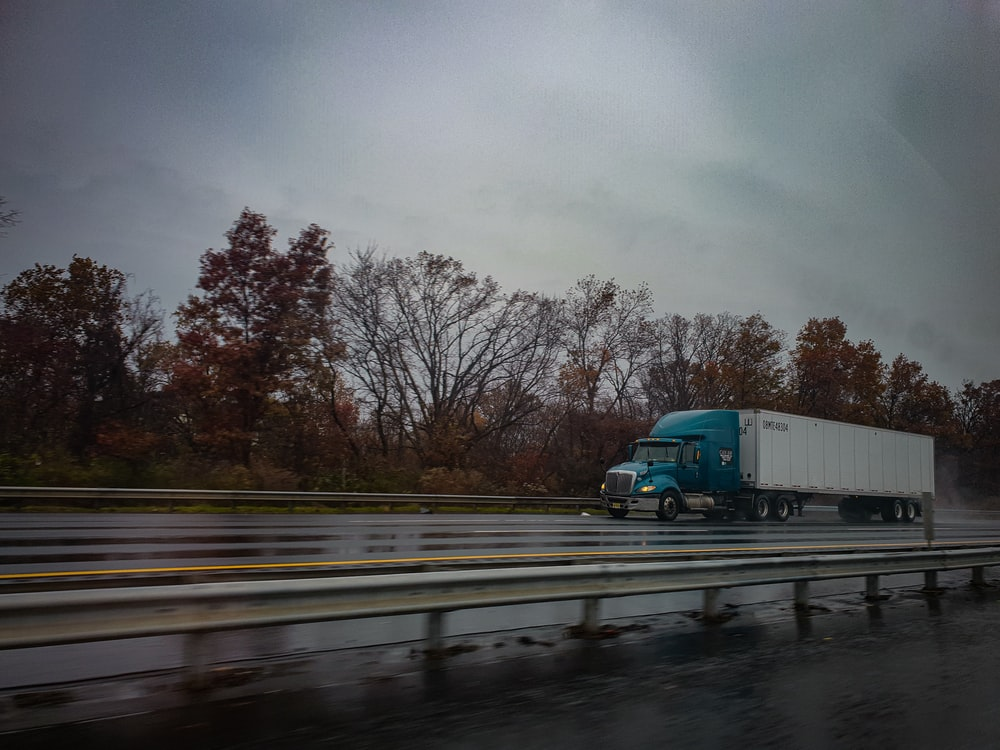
point(408, 375)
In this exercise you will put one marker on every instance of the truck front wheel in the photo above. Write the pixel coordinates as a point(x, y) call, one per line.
point(670, 506)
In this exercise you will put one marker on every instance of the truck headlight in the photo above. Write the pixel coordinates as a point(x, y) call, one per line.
point(647, 488)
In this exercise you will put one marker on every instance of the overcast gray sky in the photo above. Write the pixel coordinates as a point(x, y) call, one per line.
point(797, 159)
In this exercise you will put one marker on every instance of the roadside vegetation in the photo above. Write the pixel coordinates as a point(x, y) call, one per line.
point(410, 375)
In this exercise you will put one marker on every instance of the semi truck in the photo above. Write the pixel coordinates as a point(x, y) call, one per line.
point(765, 465)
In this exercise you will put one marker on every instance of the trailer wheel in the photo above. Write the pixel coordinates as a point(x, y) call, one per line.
point(909, 511)
point(892, 511)
point(618, 512)
point(782, 508)
point(761, 508)
point(670, 506)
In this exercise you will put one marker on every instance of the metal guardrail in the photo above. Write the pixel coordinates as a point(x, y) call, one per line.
point(108, 497)
point(73, 616)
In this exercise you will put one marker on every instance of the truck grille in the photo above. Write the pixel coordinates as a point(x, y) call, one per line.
point(619, 482)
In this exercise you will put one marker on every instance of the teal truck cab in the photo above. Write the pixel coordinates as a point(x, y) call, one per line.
point(688, 463)
point(765, 465)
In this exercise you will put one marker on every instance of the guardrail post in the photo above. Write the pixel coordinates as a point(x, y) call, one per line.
point(927, 510)
point(591, 616)
point(978, 580)
point(196, 660)
point(931, 582)
point(871, 588)
point(802, 596)
point(710, 605)
point(435, 631)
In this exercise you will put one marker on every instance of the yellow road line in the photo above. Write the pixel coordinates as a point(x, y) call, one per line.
point(470, 558)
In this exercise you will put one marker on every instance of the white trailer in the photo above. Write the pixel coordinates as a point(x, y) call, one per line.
point(868, 469)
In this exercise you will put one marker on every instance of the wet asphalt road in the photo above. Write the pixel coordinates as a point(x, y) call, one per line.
point(912, 672)
point(70, 550)
point(915, 671)
point(76, 548)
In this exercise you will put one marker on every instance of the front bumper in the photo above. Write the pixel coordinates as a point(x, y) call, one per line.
point(631, 502)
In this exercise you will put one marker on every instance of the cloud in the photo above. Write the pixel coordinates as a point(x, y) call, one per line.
point(794, 158)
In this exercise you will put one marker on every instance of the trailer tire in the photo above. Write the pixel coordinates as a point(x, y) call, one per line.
point(782, 508)
point(909, 512)
point(892, 511)
point(618, 512)
point(670, 506)
point(760, 508)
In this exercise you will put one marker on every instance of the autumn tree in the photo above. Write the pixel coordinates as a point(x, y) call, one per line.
point(912, 402)
point(832, 378)
point(978, 415)
point(865, 384)
point(819, 365)
point(247, 340)
point(752, 368)
point(71, 346)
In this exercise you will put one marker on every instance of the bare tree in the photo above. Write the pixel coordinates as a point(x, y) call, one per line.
point(607, 338)
point(8, 218)
point(712, 338)
point(441, 359)
point(686, 372)
point(668, 380)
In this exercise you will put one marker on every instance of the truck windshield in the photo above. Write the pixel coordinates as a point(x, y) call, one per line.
point(656, 452)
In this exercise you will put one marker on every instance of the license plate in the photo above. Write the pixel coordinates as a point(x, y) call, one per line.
point(617, 505)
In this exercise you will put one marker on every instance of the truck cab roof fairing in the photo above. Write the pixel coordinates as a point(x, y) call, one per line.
point(695, 425)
